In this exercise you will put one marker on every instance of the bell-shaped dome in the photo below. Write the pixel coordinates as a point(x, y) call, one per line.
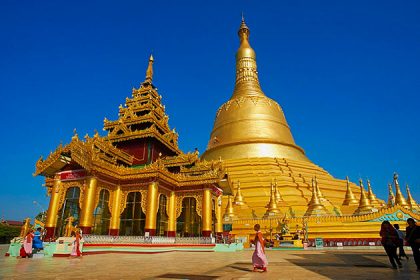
point(250, 124)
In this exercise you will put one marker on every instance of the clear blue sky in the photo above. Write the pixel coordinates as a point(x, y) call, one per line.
point(347, 74)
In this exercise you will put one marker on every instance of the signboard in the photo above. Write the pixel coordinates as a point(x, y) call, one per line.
point(72, 175)
point(319, 242)
point(227, 227)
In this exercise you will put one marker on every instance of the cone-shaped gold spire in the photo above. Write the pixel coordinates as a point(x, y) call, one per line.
point(318, 191)
point(315, 207)
point(372, 197)
point(349, 199)
point(229, 212)
point(277, 192)
point(391, 196)
point(250, 124)
point(272, 208)
point(399, 198)
point(410, 200)
point(364, 203)
point(239, 199)
point(149, 71)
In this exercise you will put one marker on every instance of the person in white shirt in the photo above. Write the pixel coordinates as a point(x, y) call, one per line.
point(401, 237)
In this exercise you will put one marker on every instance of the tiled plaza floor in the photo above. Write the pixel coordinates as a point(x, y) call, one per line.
point(333, 264)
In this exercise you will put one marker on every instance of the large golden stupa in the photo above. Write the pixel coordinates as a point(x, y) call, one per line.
point(270, 173)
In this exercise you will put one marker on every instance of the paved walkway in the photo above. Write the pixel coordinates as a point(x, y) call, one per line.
point(331, 264)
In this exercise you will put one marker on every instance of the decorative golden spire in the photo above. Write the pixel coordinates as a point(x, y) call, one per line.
point(149, 71)
point(349, 198)
point(318, 190)
point(277, 192)
point(410, 200)
point(372, 197)
point(399, 198)
point(315, 206)
point(272, 208)
point(391, 196)
point(229, 213)
point(239, 199)
point(364, 203)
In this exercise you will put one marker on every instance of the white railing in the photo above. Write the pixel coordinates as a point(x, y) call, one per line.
point(100, 239)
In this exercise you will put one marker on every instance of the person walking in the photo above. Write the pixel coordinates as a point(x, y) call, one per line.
point(390, 242)
point(27, 243)
point(259, 260)
point(401, 237)
point(412, 235)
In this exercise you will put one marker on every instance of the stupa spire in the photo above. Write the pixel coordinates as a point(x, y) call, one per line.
point(239, 199)
point(391, 196)
point(364, 203)
point(272, 208)
point(372, 197)
point(315, 206)
point(149, 70)
point(318, 190)
point(229, 212)
point(410, 200)
point(399, 198)
point(349, 199)
point(277, 192)
point(247, 83)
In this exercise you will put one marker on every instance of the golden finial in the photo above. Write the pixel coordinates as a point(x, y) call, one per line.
point(149, 71)
point(318, 190)
point(229, 212)
point(364, 203)
point(272, 208)
point(399, 198)
point(391, 196)
point(239, 200)
point(372, 197)
point(349, 198)
point(277, 192)
point(315, 206)
point(25, 228)
point(410, 200)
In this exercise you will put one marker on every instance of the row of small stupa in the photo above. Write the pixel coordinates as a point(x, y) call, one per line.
point(367, 203)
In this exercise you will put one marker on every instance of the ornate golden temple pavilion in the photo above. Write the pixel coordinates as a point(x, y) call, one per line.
point(136, 181)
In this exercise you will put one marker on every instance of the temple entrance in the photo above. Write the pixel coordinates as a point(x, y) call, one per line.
point(189, 222)
point(133, 219)
point(162, 216)
point(101, 215)
point(70, 208)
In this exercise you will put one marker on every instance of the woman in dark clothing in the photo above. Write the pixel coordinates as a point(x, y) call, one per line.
point(390, 242)
point(412, 235)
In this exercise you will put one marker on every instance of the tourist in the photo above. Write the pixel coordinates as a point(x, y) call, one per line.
point(412, 235)
point(401, 237)
point(27, 243)
point(259, 260)
point(390, 242)
point(37, 242)
point(76, 245)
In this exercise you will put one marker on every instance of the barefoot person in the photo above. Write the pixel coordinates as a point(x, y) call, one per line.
point(412, 235)
point(259, 260)
point(76, 245)
point(390, 242)
point(401, 237)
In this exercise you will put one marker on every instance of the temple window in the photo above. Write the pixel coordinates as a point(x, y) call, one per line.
point(102, 215)
point(70, 208)
point(133, 219)
point(162, 217)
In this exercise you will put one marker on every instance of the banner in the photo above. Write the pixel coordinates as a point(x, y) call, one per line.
point(72, 175)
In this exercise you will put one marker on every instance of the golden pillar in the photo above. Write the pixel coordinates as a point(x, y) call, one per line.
point(207, 213)
point(171, 230)
point(152, 208)
point(114, 225)
point(219, 215)
point(88, 206)
point(52, 214)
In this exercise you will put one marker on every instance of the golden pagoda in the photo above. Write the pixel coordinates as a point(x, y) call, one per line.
point(239, 199)
point(315, 206)
point(364, 204)
point(372, 197)
point(349, 199)
point(391, 196)
point(410, 200)
point(399, 198)
point(251, 133)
